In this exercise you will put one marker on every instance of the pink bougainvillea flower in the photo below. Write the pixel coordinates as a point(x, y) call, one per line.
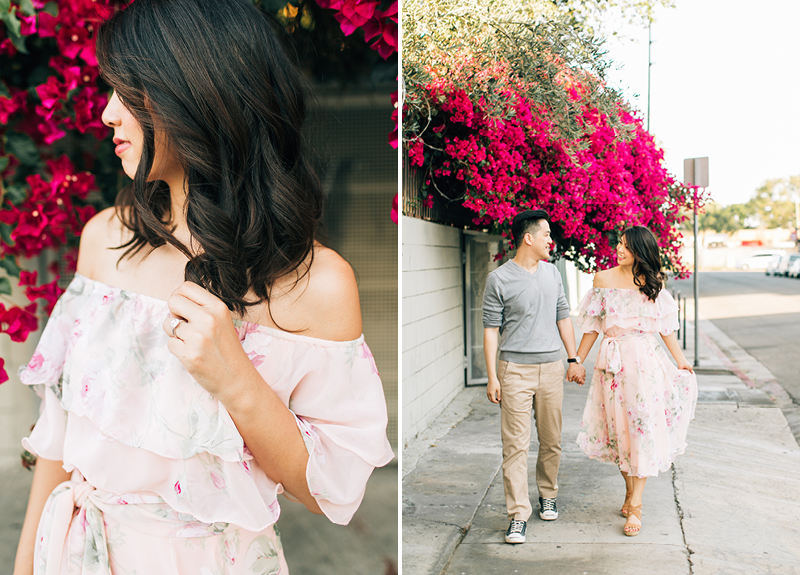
point(50, 292)
point(355, 13)
point(10, 106)
point(27, 24)
point(3, 374)
point(47, 25)
point(7, 47)
point(51, 92)
point(50, 131)
point(394, 209)
point(18, 322)
point(27, 278)
point(89, 105)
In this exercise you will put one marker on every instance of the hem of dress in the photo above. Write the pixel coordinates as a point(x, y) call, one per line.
point(663, 469)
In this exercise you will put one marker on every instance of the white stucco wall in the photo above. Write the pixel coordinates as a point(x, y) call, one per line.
point(433, 322)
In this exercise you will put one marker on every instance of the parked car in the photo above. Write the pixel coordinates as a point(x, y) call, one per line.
point(772, 265)
point(757, 260)
point(786, 263)
point(794, 268)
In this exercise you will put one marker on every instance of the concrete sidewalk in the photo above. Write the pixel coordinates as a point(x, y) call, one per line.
point(730, 505)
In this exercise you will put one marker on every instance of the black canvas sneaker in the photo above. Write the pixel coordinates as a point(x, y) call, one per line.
point(547, 509)
point(516, 532)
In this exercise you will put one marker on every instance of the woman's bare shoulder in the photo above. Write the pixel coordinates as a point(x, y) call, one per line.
point(100, 234)
point(325, 303)
point(604, 278)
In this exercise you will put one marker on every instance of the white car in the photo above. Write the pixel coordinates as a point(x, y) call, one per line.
point(758, 260)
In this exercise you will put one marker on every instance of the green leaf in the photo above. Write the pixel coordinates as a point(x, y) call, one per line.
point(26, 7)
point(51, 8)
point(19, 44)
point(16, 193)
point(3, 163)
point(23, 148)
point(12, 23)
point(9, 263)
point(5, 286)
point(4, 90)
point(5, 234)
point(5, 5)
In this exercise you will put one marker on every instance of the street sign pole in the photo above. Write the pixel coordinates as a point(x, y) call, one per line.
point(696, 287)
point(695, 173)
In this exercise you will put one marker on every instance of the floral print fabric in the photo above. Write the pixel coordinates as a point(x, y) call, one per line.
point(120, 411)
point(639, 405)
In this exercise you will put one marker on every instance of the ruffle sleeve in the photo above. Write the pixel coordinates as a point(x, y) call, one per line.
point(338, 402)
point(627, 309)
point(44, 375)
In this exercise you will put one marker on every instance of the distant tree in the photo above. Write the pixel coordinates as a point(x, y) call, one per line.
point(772, 205)
point(723, 219)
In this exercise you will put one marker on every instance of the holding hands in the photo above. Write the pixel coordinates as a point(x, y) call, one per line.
point(577, 373)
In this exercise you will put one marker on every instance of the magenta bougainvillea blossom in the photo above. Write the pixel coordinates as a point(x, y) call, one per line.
point(501, 152)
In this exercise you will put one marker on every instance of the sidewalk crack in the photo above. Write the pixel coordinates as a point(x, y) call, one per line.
point(680, 518)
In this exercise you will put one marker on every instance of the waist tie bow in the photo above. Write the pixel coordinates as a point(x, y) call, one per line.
point(63, 501)
point(609, 358)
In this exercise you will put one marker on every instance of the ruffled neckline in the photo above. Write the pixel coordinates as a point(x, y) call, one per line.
point(248, 325)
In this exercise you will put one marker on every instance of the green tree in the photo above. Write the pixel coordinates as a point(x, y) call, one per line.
point(772, 205)
point(723, 219)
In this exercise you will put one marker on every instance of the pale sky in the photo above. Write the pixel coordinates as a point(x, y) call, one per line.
point(725, 83)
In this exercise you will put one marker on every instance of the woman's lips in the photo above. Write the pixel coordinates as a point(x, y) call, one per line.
point(122, 147)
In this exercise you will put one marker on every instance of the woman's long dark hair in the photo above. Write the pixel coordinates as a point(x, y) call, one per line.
point(217, 80)
point(647, 274)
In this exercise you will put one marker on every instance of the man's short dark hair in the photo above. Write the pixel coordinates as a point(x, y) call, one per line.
point(527, 222)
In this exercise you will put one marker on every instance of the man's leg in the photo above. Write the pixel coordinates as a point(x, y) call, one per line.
point(547, 409)
point(517, 385)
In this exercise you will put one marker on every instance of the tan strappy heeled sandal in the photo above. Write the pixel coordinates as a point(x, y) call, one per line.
point(624, 510)
point(633, 510)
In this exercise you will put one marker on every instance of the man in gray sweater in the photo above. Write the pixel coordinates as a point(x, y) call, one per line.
point(526, 313)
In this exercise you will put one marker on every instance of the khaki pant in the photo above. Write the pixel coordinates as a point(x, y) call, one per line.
point(522, 386)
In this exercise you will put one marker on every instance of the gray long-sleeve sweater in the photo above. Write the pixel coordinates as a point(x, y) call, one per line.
point(526, 308)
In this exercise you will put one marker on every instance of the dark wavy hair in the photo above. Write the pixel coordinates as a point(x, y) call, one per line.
point(527, 222)
point(217, 79)
point(647, 274)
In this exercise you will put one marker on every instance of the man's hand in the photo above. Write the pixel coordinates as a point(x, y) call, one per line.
point(493, 389)
point(577, 373)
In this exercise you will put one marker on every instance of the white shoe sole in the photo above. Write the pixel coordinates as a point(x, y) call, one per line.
point(548, 516)
point(515, 539)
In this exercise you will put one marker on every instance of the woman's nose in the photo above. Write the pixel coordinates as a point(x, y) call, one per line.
point(110, 115)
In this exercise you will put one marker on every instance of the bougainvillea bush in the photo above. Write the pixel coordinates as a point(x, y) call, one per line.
point(57, 162)
point(508, 111)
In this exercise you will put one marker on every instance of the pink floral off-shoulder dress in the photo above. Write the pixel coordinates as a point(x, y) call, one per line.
point(162, 482)
point(639, 405)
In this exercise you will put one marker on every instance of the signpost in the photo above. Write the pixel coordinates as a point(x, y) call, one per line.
point(695, 173)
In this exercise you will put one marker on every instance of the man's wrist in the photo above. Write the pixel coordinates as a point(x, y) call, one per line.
point(575, 359)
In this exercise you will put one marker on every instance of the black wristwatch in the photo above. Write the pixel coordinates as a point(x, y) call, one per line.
point(576, 359)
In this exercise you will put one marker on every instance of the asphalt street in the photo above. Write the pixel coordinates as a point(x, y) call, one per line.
point(760, 313)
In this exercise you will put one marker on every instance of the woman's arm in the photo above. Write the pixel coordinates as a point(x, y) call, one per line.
point(587, 341)
point(46, 476)
point(208, 346)
point(671, 341)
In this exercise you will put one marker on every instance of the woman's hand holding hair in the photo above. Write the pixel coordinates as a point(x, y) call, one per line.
point(206, 341)
point(207, 344)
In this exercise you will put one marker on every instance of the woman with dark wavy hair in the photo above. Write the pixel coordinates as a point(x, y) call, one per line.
point(208, 354)
point(639, 406)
